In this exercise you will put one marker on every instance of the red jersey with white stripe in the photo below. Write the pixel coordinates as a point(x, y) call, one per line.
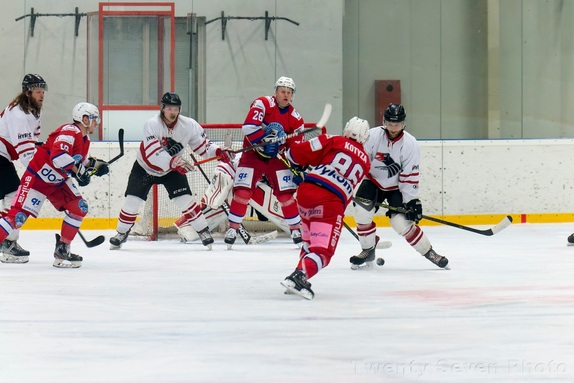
point(152, 154)
point(264, 111)
point(404, 150)
point(65, 147)
point(338, 163)
point(19, 132)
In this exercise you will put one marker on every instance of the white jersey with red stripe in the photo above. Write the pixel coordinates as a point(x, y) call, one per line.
point(153, 155)
point(19, 132)
point(404, 151)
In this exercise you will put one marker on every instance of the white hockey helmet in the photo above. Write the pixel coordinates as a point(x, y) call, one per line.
point(85, 109)
point(286, 82)
point(357, 129)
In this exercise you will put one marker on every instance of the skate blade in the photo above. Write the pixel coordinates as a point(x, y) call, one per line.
point(62, 264)
point(14, 259)
point(291, 290)
point(363, 266)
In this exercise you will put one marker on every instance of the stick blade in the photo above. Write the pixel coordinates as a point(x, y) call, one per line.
point(325, 117)
point(263, 238)
point(96, 241)
point(501, 225)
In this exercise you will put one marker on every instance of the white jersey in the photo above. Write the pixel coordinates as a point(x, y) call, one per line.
point(153, 155)
point(404, 151)
point(19, 132)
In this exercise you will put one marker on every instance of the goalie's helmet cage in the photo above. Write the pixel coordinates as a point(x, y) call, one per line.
point(170, 98)
point(286, 82)
point(31, 81)
point(394, 113)
point(357, 129)
point(85, 109)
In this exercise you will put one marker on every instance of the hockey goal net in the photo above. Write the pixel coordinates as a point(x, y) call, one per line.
point(159, 213)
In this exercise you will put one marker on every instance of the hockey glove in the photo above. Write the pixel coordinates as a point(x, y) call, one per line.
point(97, 167)
point(180, 165)
point(173, 147)
point(392, 167)
point(223, 155)
point(414, 210)
point(82, 175)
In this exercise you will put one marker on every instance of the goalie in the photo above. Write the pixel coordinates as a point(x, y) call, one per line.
point(218, 195)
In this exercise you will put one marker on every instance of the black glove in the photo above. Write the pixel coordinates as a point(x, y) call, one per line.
point(97, 167)
point(173, 147)
point(414, 210)
point(392, 167)
point(299, 177)
point(82, 176)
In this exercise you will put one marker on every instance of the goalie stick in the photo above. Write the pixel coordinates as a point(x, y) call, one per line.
point(320, 125)
point(243, 233)
point(506, 221)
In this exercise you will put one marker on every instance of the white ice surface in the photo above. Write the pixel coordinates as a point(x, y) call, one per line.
point(172, 312)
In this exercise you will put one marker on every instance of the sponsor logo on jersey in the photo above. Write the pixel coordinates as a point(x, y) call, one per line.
point(25, 136)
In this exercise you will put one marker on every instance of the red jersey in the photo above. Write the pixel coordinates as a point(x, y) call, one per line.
point(264, 111)
point(64, 148)
point(338, 163)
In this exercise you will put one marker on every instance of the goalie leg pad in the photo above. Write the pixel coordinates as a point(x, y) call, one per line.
point(218, 190)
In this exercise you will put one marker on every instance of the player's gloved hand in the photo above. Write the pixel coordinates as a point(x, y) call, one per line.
point(224, 155)
point(414, 210)
point(392, 167)
point(97, 167)
point(82, 175)
point(180, 165)
point(299, 177)
point(173, 147)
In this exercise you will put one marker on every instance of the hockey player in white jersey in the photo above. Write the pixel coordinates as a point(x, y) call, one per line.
point(19, 132)
point(394, 177)
point(159, 161)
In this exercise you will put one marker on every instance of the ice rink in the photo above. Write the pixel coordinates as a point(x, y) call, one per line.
point(171, 312)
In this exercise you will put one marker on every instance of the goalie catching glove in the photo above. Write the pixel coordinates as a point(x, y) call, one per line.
point(414, 210)
point(180, 165)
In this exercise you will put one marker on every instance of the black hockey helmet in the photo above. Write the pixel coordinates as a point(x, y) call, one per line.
point(395, 113)
point(170, 98)
point(31, 81)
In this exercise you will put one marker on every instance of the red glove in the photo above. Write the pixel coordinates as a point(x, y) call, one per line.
point(223, 155)
point(180, 165)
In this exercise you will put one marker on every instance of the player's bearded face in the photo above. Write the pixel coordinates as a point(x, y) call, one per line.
point(37, 98)
point(170, 112)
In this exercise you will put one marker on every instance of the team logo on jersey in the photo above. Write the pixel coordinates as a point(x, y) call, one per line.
point(20, 218)
point(380, 156)
point(77, 158)
point(83, 205)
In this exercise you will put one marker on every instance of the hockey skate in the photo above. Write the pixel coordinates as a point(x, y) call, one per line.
point(117, 240)
point(230, 237)
point(365, 258)
point(12, 252)
point(437, 259)
point(63, 258)
point(571, 240)
point(296, 237)
point(206, 238)
point(297, 283)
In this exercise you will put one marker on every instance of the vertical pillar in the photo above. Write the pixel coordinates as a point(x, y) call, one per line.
point(386, 92)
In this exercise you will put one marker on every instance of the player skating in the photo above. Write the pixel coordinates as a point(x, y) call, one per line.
point(394, 177)
point(338, 164)
point(49, 176)
point(159, 161)
point(19, 133)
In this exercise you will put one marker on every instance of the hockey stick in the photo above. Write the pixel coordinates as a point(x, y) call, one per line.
point(121, 143)
point(243, 233)
point(322, 121)
point(94, 242)
point(506, 221)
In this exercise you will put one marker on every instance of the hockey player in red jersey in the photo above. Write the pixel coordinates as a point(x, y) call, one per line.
point(19, 132)
point(269, 117)
point(338, 165)
point(159, 161)
point(49, 176)
point(394, 177)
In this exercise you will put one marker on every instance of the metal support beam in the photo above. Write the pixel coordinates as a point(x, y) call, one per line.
point(33, 16)
point(224, 19)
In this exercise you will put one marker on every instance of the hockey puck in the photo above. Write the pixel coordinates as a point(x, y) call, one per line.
point(380, 261)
